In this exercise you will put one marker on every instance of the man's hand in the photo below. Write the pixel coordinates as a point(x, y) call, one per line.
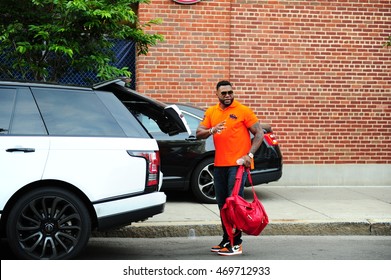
point(219, 127)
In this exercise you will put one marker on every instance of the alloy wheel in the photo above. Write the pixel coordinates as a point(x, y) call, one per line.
point(48, 227)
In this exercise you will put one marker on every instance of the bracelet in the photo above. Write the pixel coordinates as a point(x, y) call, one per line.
point(211, 131)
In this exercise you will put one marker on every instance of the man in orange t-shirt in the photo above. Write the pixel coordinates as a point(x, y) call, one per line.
point(230, 123)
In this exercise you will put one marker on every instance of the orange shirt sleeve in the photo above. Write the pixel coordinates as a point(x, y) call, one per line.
point(250, 118)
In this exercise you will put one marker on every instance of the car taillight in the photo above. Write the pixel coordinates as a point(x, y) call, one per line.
point(153, 168)
point(270, 139)
point(153, 164)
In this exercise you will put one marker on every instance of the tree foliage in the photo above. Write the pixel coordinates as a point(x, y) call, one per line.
point(43, 39)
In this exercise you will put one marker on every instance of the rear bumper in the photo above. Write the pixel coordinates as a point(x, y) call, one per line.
point(129, 217)
point(125, 211)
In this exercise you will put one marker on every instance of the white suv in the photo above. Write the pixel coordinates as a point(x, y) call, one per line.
point(75, 159)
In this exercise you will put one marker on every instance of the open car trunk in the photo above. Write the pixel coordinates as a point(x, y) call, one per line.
point(168, 117)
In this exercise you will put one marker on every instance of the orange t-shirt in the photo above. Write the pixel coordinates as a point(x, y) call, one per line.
point(234, 141)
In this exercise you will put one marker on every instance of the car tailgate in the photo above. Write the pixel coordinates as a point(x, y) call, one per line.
point(169, 118)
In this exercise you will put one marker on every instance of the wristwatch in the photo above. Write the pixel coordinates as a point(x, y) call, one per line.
point(251, 155)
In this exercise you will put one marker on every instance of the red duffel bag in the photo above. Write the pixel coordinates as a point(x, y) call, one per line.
point(239, 214)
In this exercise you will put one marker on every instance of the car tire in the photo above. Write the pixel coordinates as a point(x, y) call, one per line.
point(48, 223)
point(202, 182)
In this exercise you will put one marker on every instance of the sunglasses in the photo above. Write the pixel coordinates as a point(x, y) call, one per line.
point(224, 93)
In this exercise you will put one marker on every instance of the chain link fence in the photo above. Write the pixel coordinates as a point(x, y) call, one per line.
point(125, 52)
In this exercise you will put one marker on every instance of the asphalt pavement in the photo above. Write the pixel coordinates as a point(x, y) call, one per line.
point(292, 210)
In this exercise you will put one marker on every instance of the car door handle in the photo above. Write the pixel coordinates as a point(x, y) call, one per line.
point(24, 150)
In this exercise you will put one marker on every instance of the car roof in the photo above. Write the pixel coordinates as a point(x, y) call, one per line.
point(99, 85)
point(103, 86)
point(40, 84)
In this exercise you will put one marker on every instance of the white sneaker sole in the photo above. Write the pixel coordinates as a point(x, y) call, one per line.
point(229, 254)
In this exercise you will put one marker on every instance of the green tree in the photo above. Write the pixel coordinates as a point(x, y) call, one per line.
point(47, 38)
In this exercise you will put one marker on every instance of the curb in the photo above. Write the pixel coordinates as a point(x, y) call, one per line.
point(276, 227)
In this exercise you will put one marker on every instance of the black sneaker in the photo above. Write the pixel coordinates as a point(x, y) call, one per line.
point(217, 248)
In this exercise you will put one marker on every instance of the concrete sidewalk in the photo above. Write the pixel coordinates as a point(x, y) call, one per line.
point(292, 211)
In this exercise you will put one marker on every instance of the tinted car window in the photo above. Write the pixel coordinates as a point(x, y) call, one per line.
point(153, 127)
point(155, 131)
point(126, 120)
point(192, 121)
point(18, 113)
point(7, 99)
point(75, 112)
point(26, 119)
point(148, 123)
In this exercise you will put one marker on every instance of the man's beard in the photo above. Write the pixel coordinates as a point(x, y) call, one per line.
point(226, 102)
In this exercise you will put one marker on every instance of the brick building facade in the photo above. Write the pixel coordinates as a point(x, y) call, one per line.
point(317, 71)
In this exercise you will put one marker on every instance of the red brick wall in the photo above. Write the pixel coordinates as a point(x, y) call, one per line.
point(316, 70)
